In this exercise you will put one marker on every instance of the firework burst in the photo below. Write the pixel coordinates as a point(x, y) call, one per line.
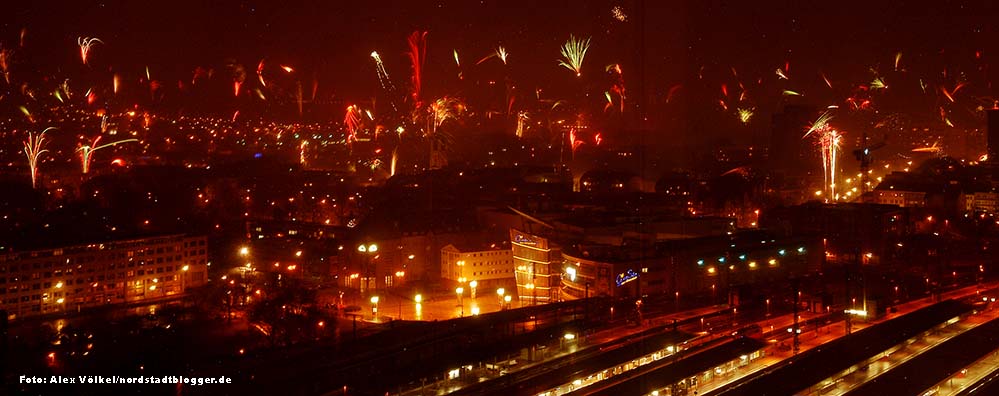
point(573, 52)
point(352, 120)
point(417, 56)
point(828, 140)
point(33, 149)
point(86, 43)
point(87, 151)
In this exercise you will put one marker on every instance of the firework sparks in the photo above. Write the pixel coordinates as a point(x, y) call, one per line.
point(950, 94)
point(301, 152)
point(573, 142)
point(115, 83)
point(5, 64)
point(86, 43)
point(417, 55)
point(878, 83)
point(441, 110)
point(395, 160)
point(33, 149)
point(826, 79)
point(521, 123)
point(781, 74)
point(383, 77)
point(619, 86)
point(573, 52)
point(828, 141)
point(502, 54)
point(898, 58)
point(745, 115)
point(260, 73)
point(933, 148)
point(820, 123)
point(788, 92)
point(618, 13)
point(352, 120)
point(87, 151)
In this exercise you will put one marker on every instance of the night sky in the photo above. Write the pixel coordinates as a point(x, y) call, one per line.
point(698, 45)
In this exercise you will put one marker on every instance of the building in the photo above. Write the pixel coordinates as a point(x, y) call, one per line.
point(71, 278)
point(848, 229)
point(905, 199)
point(979, 202)
point(536, 270)
point(788, 154)
point(710, 265)
point(489, 265)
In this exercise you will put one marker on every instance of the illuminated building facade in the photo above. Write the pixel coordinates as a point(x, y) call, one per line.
point(49, 281)
point(536, 267)
point(705, 265)
point(489, 265)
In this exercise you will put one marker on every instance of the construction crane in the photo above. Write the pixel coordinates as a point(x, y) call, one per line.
point(863, 154)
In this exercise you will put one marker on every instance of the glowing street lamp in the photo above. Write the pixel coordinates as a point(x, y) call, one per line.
point(374, 306)
point(458, 291)
point(473, 284)
point(244, 251)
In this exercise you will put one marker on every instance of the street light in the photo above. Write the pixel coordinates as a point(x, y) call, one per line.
point(459, 291)
point(374, 307)
point(473, 284)
point(244, 251)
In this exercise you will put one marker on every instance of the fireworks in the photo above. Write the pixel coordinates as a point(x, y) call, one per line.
point(352, 120)
point(618, 13)
point(260, 73)
point(441, 110)
point(828, 141)
point(745, 115)
point(618, 87)
point(499, 53)
point(950, 95)
point(395, 159)
point(33, 149)
point(85, 44)
point(898, 58)
point(521, 123)
point(781, 74)
point(788, 92)
point(87, 152)
point(502, 54)
point(301, 152)
point(383, 77)
point(820, 123)
point(878, 83)
point(573, 142)
point(417, 56)
point(573, 52)
point(4, 64)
